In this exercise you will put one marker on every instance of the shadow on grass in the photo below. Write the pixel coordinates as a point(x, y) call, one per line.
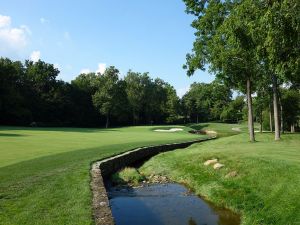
point(64, 129)
point(12, 135)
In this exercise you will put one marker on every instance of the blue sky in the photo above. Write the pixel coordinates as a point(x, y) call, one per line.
point(145, 36)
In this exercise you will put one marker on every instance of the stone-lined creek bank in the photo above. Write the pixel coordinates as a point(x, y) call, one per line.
point(163, 194)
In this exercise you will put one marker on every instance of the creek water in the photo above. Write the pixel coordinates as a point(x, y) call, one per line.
point(165, 204)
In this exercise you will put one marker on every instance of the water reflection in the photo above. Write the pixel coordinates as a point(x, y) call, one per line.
point(162, 204)
point(192, 222)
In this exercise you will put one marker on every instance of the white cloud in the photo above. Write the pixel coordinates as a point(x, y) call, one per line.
point(4, 21)
point(35, 56)
point(101, 68)
point(26, 28)
point(85, 71)
point(12, 39)
point(181, 91)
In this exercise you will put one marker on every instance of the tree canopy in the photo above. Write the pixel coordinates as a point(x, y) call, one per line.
point(247, 44)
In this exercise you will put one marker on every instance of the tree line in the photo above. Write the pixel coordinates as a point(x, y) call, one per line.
point(253, 47)
point(31, 94)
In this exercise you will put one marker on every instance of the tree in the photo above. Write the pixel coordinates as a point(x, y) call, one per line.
point(135, 93)
point(220, 96)
point(84, 87)
point(105, 97)
point(206, 101)
point(261, 102)
point(196, 103)
point(41, 75)
point(277, 37)
point(291, 107)
point(30, 93)
point(172, 105)
point(41, 83)
point(13, 108)
point(234, 111)
point(87, 82)
point(223, 40)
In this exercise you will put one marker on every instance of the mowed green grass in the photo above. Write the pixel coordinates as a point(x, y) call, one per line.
point(267, 188)
point(44, 173)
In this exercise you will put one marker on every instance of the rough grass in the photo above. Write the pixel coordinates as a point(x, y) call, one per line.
point(127, 175)
point(44, 173)
point(267, 188)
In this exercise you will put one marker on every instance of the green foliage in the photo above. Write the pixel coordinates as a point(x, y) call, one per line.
point(204, 102)
point(278, 37)
point(151, 101)
point(234, 111)
point(266, 120)
point(12, 109)
point(290, 101)
point(172, 106)
point(127, 175)
point(135, 92)
point(105, 98)
point(86, 82)
point(31, 94)
point(224, 41)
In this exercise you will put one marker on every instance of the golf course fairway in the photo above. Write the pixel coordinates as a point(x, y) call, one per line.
point(44, 172)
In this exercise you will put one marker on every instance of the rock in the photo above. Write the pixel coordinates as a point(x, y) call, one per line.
point(231, 174)
point(211, 161)
point(102, 203)
point(164, 179)
point(218, 166)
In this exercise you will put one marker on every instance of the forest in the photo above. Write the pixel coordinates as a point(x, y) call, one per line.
point(31, 95)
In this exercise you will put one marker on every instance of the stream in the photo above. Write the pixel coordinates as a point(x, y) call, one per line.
point(165, 204)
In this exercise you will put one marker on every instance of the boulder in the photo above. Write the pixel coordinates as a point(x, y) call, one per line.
point(218, 166)
point(211, 161)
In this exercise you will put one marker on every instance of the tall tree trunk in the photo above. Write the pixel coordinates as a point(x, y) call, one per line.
point(281, 119)
point(271, 119)
point(250, 111)
point(292, 128)
point(276, 111)
point(107, 121)
point(261, 121)
point(197, 118)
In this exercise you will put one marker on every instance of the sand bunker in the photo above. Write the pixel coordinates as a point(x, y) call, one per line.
point(170, 130)
point(236, 129)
